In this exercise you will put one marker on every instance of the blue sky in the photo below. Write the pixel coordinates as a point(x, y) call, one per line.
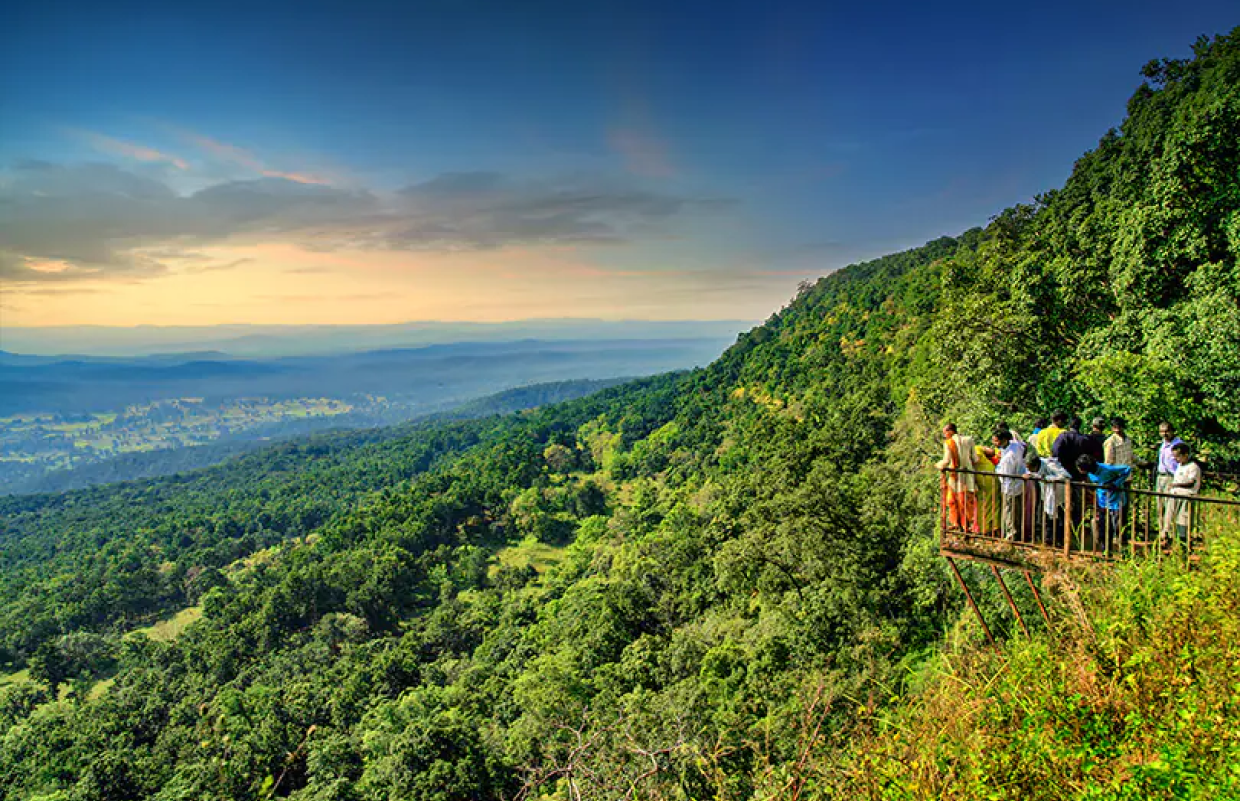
point(477, 160)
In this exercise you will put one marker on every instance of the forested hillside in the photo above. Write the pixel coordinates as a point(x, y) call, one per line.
point(716, 584)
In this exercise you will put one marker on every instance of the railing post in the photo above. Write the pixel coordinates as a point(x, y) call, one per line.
point(1067, 521)
point(1188, 533)
point(942, 504)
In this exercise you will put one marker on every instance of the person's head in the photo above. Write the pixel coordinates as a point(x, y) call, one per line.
point(1098, 425)
point(1166, 431)
point(1033, 462)
point(1182, 453)
point(1086, 463)
point(1041, 422)
point(1060, 419)
point(1075, 424)
point(949, 430)
point(1118, 425)
point(1001, 438)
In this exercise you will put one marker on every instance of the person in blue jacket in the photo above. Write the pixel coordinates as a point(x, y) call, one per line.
point(1112, 499)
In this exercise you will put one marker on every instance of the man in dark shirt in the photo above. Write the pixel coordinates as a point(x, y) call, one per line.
point(1098, 434)
point(1072, 445)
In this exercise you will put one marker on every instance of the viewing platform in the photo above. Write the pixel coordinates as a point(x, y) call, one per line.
point(1145, 523)
point(1060, 523)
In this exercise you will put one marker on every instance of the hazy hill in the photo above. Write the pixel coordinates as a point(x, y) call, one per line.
point(266, 341)
point(424, 376)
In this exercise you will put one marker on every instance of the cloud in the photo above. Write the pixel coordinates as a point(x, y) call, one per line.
point(98, 218)
point(59, 292)
point(241, 157)
point(481, 210)
point(103, 222)
point(324, 298)
point(193, 262)
point(312, 270)
point(21, 271)
point(117, 147)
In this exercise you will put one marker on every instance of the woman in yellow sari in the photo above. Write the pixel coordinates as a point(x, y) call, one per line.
point(988, 513)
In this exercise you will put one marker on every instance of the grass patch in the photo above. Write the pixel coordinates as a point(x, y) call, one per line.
point(170, 628)
point(100, 687)
point(535, 554)
point(16, 677)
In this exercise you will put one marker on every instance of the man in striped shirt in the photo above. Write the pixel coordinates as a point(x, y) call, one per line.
point(1118, 447)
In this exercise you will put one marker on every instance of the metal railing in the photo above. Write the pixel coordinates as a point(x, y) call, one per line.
point(1139, 522)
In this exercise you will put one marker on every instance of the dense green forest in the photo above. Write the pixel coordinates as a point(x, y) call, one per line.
point(715, 584)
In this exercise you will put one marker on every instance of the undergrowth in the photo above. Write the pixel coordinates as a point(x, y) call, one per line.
point(1143, 702)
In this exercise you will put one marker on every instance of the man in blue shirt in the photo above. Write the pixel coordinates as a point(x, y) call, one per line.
point(1112, 499)
point(1167, 464)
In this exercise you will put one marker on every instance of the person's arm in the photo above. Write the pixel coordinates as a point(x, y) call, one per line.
point(1189, 483)
point(1115, 477)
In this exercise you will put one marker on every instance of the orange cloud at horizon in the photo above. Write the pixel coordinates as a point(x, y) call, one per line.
point(282, 283)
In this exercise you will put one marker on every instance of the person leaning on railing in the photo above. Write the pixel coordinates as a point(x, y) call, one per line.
point(1111, 498)
point(1072, 444)
point(1185, 483)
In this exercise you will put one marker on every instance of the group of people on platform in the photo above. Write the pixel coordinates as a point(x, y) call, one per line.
point(1027, 478)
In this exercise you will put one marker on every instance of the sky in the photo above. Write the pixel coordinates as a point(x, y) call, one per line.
point(467, 160)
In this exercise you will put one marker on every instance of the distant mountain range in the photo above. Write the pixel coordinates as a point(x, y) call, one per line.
point(265, 341)
point(426, 376)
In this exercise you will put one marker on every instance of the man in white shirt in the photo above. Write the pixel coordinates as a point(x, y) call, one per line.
point(1185, 483)
point(1011, 473)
